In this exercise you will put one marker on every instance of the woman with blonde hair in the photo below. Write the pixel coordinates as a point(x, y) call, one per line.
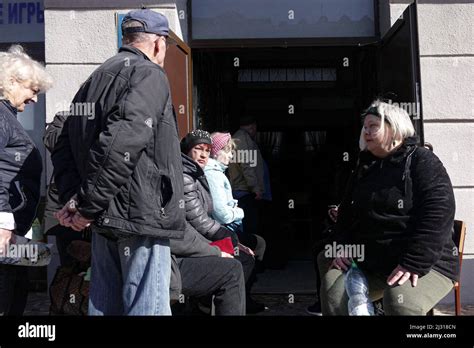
point(21, 80)
point(396, 219)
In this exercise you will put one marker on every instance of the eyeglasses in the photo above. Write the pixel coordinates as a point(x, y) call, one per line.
point(373, 129)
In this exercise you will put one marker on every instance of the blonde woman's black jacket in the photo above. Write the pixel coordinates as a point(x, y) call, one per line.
point(20, 171)
point(119, 149)
point(401, 209)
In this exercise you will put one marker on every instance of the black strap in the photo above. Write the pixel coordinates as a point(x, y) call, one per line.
point(407, 172)
point(132, 30)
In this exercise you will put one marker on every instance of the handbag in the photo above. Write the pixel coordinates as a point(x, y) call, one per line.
point(69, 290)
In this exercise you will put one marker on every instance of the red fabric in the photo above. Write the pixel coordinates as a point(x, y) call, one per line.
point(225, 245)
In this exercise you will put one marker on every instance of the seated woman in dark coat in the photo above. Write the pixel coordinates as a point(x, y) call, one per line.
point(396, 219)
point(196, 148)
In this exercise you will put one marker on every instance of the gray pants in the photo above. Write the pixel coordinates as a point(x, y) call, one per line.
point(397, 299)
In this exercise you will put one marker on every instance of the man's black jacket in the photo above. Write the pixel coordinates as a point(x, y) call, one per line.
point(119, 149)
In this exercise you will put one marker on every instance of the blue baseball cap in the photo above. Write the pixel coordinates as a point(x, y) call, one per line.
point(153, 22)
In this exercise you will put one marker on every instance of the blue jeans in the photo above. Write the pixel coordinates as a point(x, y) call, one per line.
point(129, 275)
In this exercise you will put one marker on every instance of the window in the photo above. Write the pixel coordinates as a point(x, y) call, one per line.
point(266, 19)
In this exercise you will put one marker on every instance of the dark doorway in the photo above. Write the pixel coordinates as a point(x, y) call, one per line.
point(307, 102)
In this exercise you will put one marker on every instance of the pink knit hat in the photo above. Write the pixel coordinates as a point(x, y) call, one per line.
point(219, 141)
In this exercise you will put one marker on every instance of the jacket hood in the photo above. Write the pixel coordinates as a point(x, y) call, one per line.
point(190, 167)
point(213, 164)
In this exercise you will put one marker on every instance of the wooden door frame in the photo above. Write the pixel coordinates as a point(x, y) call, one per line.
point(184, 47)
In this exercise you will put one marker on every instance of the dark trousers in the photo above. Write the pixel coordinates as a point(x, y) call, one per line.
point(318, 276)
point(250, 272)
point(250, 208)
point(218, 276)
point(319, 246)
point(248, 265)
point(64, 237)
point(13, 289)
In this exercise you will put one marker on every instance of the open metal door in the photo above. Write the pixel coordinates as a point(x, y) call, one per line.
point(178, 67)
point(399, 67)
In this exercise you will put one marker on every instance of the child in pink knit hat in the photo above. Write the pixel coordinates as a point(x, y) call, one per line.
point(225, 208)
point(219, 142)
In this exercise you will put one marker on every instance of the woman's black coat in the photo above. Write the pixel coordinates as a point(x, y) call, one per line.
point(401, 209)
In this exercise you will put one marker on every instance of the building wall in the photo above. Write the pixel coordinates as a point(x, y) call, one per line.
point(78, 41)
point(447, 78)
point(447, 81)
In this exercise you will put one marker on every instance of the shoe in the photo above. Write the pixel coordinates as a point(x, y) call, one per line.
point(254, 307)
point(315, 309)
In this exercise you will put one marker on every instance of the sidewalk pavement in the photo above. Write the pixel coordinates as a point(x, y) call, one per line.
point(279, 305)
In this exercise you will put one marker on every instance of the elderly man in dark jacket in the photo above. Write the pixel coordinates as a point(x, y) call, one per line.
point(120, 165)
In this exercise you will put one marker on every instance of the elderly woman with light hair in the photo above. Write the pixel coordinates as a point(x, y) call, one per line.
point(395, 221)
point(21, 80)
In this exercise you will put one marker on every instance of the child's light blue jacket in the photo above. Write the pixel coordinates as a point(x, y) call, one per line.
point(225, 206)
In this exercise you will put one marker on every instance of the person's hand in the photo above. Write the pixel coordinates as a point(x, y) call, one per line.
point(258, 196)
point(341, 263)
point(332, 212)
point(246, 249)
point(6, 237)
point(68, 216)
point(79, 222)
point(67, 212)
point(400, 275)
point(224, 254)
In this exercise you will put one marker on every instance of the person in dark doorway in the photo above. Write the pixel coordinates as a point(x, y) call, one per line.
point(249, 175)
point(119, 170)
point(400, 206)
point(200, 205)
point(21, 80)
